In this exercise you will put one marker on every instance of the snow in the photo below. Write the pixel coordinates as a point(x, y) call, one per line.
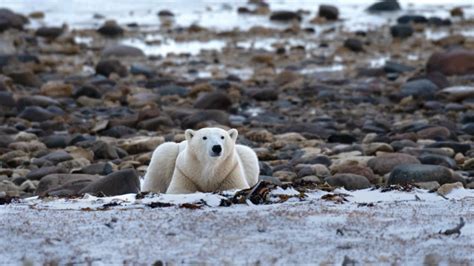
point(396, 227)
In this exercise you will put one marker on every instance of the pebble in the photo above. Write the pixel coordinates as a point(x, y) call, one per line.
point(415, 173)
point(118, 183)
point(384, 6)
point(111, 29)
point(348, 181)
point(285, 16)
point(328, 12)
point(401, 31)
point(384, 163)
point(453, 62)
point(109, 66)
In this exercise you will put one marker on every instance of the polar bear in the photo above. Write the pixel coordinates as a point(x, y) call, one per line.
point(208, 160)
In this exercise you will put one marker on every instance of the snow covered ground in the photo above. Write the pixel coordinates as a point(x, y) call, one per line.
point(371, 227)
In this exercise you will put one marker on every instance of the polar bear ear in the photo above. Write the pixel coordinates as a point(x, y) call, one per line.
point(189, 134)
point(233, 133)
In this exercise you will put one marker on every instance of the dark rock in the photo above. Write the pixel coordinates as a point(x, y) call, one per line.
point(25, 78)
point(119, 131)
point(265, 169)
point(468, 128)
point(306, 171)
point(49, 32)
point(57, 156)
point(192, 121)
point(415, 173)
point(39, 100)
point(435, 159)
point(354, 45)
point(439, 22)
point(56, 141)
point(36, 113)
point(467, 118)
point(89, 91)
point(328, 12)
point(401, 31)
point(285, 16)
point(312, 159)
point(271, 179)
point(97, 169)
point(165, 13)
point(5, 140)
point(265, 95)
point(138, 69)
point(109, 66)
point(342, 138)
point(156, 123)
point(122, 50)
point(456, 146)
point(37, 174)
point(19, 180)
point(111, 29)
point(173, 90)
point(412, 19)
point(214, 100)
point(6, 99)
point(385, 163)
point(384, 6)
point(421, 88)
point(63, 184)
point(394, 67)
point(104, 150)
point(118, 183)
point(454, 62)
point(348, 181)
point(9, 19)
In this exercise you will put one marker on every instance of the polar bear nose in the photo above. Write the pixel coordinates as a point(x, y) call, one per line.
point(216, 149)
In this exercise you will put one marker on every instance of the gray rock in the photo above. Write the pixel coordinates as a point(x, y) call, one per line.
point(348, 181)
point(109, 66)
point(415, 173)
point(63, 184)
point(96, 169)
point(111, 29)
point(271, 179)
point(328, 12)
point(37, 174)
point(49, 32)
point(36, 114)
point(118, 183)
point(436, 159)
point(121, 50)
point(383, 164)
point(214, 100)
point(384, 6)
point(421, 88)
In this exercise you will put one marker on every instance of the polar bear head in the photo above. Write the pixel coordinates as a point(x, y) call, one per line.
point(211, 143)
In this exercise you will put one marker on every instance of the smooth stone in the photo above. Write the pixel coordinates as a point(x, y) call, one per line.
point(430, 186)
point(141, 144)
point(415, 173)
point(104, 150)
point(456, 146)
point(57, 156)
point(199, 117)
point(214, 100)
point(468, 128)
point(355, 168)
point(173, 90)
point(119, 131)
point(36, 113)
point(395, 67)
point(270, 179)
point(285, 16)
point(156, 123)
point(265, 169)
point(354, 45)
point(445, 189)
point(467, 118)
point(312, 159)
point(405, 19)
point(421, 88)
point(56, 89)
point(348, 181)
point(89, 91)
point(122, 50)
point(265, 95)
point(96, 169)
point(328, 12)
point(383, 164)
point(6, 99)
point(10, 19)
point(118, 183)
point(56, 141)
point(49, 32)
point(25, 78)
point(63, 184)
point(373, 148)
point(108, 66)
point(37, 174)
point(401, 31)
point(453, 62)
point(458, 93)
point(384, 6)
point(285, 176)
point(110, 29)
point(435, 159)
point(35, 100)
point(436, 132)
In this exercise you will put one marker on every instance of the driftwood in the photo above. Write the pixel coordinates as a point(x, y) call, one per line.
point(455, 230)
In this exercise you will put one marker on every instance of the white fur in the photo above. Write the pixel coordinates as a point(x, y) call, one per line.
point(191, 165)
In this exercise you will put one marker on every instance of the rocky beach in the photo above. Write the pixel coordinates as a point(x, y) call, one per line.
point(335, 98)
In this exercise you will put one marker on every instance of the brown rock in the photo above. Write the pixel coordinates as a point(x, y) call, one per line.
point(56, 89)
point(385, 163)
point(455, 62)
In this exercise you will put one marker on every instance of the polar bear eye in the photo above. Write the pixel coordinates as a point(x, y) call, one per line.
point(204, 138)
point(222, 137)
